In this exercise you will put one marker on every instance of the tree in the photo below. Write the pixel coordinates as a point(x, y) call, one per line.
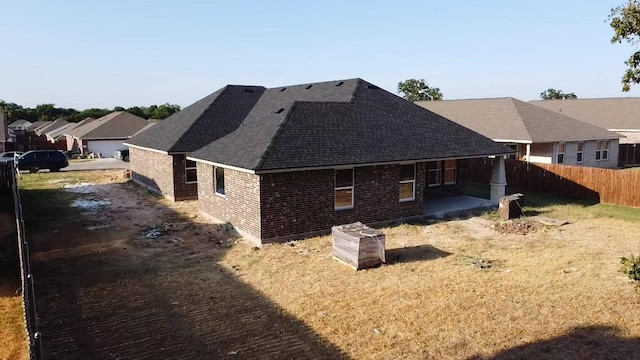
point(416, 90)
point(625, 21)
point(164, 111)
point(551, 94)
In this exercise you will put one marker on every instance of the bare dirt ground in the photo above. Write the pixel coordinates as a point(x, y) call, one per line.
point(465, 289)
point(107, 291)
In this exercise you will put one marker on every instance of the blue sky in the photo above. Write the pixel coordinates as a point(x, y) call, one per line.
point(106, 53)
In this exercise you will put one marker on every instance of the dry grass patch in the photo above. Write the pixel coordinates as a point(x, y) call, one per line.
point(431, 302)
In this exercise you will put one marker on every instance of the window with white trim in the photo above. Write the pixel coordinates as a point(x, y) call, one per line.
point(450, 172)
point(191, 172)
point(579, 152)
point(560, 153)
point(343, 189)
point(434, 173)
point(407, 182)
point(219, 181)
point(602, 150)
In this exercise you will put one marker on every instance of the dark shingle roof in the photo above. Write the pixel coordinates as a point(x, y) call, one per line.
point(201, 123)
point(515, 120)
point(608, 113)
point(116, 125)
point(340, 123)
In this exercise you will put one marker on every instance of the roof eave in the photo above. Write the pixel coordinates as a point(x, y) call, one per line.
point(324, 167)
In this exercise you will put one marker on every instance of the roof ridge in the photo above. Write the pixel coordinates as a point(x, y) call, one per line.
point(470, 99)
point(525, 124)
point(265, 152)
point(580, 99)
point(315, 83)
point(184, 134)
point(565, 118)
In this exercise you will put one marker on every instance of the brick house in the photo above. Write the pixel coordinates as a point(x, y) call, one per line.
point(537, 134)
point(292, 161)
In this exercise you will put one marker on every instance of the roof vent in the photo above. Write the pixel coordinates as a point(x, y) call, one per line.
point(279, 110)
point(248, 90)
point(283, 89)
point(308, 86)
point(340, 83)
point(372, 87)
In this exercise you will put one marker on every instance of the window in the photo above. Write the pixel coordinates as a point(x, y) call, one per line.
point(602, 150)
point(219, 183)
point(560, 153)
point(450, 172)
point(407, 182)
point(579, 152)
point(191, 171)
point(344, 189)
point(434, 175)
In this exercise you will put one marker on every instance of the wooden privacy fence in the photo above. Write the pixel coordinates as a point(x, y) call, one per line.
point(608, 186)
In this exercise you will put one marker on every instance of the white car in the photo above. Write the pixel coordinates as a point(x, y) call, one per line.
point(10, 156)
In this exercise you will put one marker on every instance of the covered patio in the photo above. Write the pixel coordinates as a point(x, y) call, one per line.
point(455, 206)
point(439, 205)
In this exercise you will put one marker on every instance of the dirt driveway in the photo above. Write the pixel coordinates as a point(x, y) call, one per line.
point(108, 288)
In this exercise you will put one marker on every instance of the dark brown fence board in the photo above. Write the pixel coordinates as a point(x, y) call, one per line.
point(608, 186)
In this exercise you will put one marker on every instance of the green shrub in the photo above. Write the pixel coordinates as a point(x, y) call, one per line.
point(631, 267)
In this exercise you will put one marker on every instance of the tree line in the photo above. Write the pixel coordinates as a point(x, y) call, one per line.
point(419, 90)
point(49, 112)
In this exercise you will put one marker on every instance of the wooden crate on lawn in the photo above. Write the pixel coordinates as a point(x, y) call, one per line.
point(358, 245)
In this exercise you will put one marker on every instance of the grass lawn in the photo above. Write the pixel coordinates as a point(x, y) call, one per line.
point(13, 344)
point(554, 293)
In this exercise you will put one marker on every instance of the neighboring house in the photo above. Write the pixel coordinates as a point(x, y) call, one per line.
point(293, 161)
point(621, 115)
point(71, 142)
point(538, 134)
point(20, 125)
point(51, 126)
point(106, 134)
point(57, 137)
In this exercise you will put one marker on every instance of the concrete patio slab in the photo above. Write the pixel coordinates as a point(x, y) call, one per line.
point(455, 206)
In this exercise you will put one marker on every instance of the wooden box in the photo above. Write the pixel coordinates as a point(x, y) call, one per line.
point(358, 245)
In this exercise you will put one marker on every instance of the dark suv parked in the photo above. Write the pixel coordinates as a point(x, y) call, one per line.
point(35, 160)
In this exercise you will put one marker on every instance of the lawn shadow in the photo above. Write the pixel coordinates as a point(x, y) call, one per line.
point(99, 297)
point(581, 343)
point(414, 253)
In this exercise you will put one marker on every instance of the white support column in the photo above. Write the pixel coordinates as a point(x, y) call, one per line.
point(498, 179)
point(528, 156)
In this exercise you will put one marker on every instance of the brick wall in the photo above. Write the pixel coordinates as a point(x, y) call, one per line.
point(302, 202)
point(240, 205)
point(182, 190)
point(153, 169)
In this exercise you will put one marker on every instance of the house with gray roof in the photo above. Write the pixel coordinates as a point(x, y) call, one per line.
point(106, 134)
point(621, 115)
point(539, 135)
point(292, 161)
point(20, 125)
